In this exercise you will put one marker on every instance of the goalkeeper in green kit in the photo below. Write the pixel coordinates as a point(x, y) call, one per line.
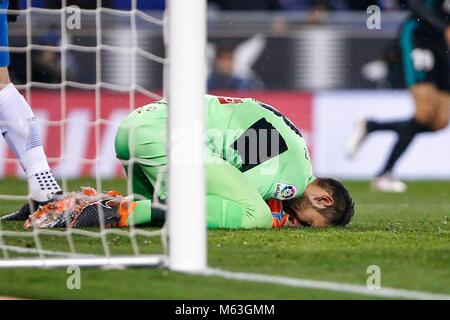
point(259, 173)
point(254, 154)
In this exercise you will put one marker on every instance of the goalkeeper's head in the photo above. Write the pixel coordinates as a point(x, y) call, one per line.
point(325, 202)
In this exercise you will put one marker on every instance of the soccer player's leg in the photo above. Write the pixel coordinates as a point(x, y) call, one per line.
point(426, 70)
point(443, 113)
point(231, 202)
point(420, 68)
point(141, 187)
point(132, 170)
point(17, 125)
point(4, 52)
point(144, 209)
point(140, 145)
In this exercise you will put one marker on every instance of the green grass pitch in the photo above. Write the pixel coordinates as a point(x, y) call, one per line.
point(406, 235)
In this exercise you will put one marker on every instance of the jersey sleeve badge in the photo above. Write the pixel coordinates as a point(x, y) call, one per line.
point(284, 191)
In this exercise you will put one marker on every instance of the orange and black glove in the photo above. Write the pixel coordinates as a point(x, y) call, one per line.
point(279, 218)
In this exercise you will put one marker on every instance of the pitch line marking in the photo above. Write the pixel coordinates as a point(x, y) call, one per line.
point(326, 285)
point(44, 252)
point(279, 280)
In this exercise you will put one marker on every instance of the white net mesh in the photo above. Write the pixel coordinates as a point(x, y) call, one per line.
point(106, 66)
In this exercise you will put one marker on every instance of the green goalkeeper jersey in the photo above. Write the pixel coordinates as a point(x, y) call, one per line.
point(254, 154)
point(260, 142)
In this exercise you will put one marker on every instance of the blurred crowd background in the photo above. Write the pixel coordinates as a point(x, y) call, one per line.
point(319, 61)
point(235, 4)
point(252, 45)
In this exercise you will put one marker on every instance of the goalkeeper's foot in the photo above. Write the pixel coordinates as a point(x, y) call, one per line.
point(83, 209)
point(28, 209)
point(110, 211)
point(91, 215)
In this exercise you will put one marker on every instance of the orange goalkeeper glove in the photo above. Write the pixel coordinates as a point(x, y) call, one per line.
point(279, 218)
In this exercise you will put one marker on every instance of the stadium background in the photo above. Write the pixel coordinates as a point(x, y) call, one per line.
point(314, 60)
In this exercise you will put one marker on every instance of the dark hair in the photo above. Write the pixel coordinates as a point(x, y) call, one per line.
point(343, 208)
point(339, 214)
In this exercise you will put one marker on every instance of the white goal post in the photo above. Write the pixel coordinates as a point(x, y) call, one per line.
point(187, 85)
point(184, 233)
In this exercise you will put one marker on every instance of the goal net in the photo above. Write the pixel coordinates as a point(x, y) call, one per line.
point(84, 70)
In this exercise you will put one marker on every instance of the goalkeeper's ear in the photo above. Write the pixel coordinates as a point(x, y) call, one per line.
point(13, 5)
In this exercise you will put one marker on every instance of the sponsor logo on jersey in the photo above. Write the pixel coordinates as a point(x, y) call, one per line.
point(230, 100)
point(284, 191)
